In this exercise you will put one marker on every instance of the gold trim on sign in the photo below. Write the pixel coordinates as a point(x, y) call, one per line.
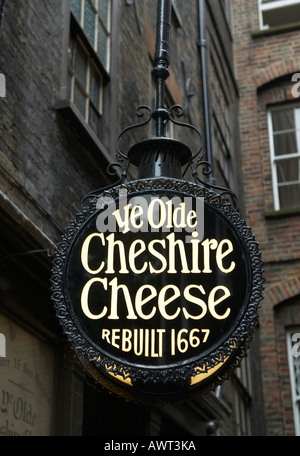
point(120, 378)
point(200, 377)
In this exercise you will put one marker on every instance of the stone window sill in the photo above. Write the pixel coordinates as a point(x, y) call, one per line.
point(282, 213)
point(275, 30)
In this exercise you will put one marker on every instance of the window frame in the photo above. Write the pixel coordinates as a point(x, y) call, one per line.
point(295, 396)
point(78, 37)
point(272, 5)
point(242, 398)
point(107, 29)
point(74, 80)
point(98, 146)
point(275, 159)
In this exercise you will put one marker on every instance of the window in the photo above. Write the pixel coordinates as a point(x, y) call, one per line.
point(293, 345)
point(88, 63)
point(94, 18)
point(284, 130)
point(242, 399)
point(273, 13)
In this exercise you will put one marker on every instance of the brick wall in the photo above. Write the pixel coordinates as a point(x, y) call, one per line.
point(44, 169)
point(262, 61)
point(39, 156)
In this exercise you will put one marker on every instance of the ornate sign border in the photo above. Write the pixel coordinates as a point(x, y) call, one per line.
point(227, 357)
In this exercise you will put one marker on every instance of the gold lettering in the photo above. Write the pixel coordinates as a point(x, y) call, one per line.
point(190, 216)
point(114, 336)
point(105, 335)
point(85, 253)
point(140, 302)
point(212, 303)
point(123, 224)
point(126, 340)
point(135, 213)
point(160, 341)
point(194, 300)
point(163, 302)
point(208, 244)
point(162, 213)
point(220, 255)
point(172, 244)
point(195, 254)
point(179, 216)
point(133, 254)
point(111, 254)
point(84, 299)
point(138, 341)
point(114, 301)
point(157, 255)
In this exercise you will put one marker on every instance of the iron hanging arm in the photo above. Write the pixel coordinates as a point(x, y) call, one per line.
point(160, 71)
point(2, 8)
point(202, 47)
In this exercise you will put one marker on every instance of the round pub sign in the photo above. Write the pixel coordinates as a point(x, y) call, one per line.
point(157, 284)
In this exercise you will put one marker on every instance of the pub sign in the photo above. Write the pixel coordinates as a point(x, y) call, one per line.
point(157, 283)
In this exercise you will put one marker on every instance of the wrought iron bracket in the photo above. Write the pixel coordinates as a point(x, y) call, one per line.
point(165, 156)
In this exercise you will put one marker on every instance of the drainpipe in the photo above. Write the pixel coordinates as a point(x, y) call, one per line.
point(2, 8)
point(202, 46)
point(160, 156)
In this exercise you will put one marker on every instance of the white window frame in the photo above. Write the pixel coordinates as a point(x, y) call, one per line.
point(295, 396)
point(86, 90)
point(79, 38)
point(107, 29)
point(274, 159)
point(275, 4)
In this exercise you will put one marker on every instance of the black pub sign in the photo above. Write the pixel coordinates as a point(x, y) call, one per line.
point(157, 283)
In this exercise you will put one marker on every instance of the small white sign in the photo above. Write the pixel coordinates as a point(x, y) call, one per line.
point(2, 85)
point(2, 346)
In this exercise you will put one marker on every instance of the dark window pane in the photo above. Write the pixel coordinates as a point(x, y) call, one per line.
point(80, 100)
point(95, 83)
point(81, 65)
point(288, 170)
point(280, 16)
point(103, 11)
point(76, 9)
point(94, 119)
point(289, 196)
point(285, 143)
point(89, 22)
point(102, 45)
point(283, 120)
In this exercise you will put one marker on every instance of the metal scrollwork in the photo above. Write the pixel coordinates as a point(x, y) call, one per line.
point(240, 338)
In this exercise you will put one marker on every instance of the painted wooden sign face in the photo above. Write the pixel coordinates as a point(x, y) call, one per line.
point(157, 285)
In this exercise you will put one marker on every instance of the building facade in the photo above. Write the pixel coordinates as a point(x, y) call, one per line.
point(73, 74)
point(267, 45)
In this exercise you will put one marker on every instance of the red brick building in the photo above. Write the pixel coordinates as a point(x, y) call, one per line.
point(72, 74)
point(266, 38)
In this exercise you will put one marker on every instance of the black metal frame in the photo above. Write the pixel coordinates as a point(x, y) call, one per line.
point(234, 348)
